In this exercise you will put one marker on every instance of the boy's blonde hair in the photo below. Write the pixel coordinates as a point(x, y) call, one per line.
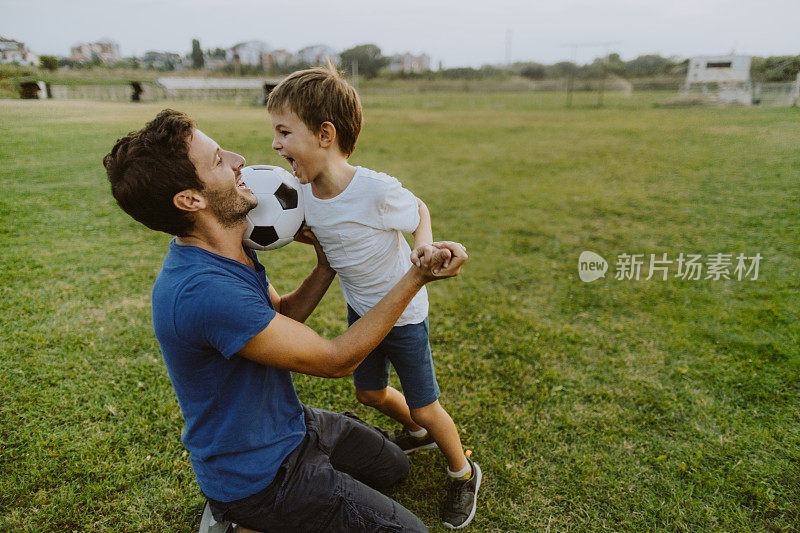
point(320, 95)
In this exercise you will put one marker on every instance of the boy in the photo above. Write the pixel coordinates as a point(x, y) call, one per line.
point(358, 216)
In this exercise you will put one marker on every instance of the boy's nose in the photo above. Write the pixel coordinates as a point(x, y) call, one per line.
point(275, 144)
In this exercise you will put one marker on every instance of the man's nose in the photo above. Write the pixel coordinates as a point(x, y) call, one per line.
point(237, 161)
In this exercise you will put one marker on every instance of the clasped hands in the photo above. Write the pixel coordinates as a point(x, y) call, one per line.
point(443, 259)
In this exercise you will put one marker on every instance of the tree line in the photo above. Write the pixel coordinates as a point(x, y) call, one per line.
point(369, 61)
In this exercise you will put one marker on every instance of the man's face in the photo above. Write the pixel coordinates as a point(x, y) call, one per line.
point(297, 144)
point(219, 171)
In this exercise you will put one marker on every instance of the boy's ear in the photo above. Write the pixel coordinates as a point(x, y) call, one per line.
point(189, 200)
point(327, 134)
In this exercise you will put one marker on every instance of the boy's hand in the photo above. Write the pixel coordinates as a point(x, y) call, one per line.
point(421, 255)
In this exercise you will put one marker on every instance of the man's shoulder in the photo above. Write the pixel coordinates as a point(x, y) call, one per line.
point(186, 270)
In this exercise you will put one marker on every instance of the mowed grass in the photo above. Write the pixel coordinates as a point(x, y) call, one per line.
point(616, 405)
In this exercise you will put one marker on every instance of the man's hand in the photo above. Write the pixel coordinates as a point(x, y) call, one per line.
point(306, 236)
point(446, 259)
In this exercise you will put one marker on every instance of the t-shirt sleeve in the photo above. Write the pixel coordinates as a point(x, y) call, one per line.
point(224, 313)
point(400, 210)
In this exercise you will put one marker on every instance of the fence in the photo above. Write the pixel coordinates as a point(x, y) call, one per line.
point(777, 93)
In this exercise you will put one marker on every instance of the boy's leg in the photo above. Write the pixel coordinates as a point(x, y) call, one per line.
point(371, 381)
point(441, 427)
point(390, 402)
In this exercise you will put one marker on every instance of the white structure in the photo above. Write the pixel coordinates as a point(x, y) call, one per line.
point(280, 58)
point(409, 63)
point(104, 50)
point(318, 54)
point(723, 78)
point(248, 53)
point(12, 51)
point(162, 60)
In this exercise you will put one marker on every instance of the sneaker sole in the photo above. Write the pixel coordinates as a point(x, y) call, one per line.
point(429, 446)
point(474, 503)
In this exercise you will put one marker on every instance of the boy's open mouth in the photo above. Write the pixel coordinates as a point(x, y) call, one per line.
point(293, 163)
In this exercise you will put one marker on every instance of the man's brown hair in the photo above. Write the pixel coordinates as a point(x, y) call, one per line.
point(147, 168)
point(320, 95)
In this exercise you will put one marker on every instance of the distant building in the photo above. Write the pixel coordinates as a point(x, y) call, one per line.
point(318, 54)
point(280, 58)
point(12, 51)
point(248, 53)
point(105, 51)
point(409, 63)
point(162, 60)
point(723, 78)
point(214, 59)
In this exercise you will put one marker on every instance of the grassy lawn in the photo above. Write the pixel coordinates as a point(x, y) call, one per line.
point(617, 405)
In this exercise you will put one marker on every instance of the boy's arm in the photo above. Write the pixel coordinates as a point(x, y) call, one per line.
point(423, 237)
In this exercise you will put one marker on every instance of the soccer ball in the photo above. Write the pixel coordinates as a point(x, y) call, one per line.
point(279, 214)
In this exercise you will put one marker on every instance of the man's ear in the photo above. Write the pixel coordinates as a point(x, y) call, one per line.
point(327, 134)
point(189, 200)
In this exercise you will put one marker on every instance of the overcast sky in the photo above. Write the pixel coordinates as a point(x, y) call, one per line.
point(457, 33)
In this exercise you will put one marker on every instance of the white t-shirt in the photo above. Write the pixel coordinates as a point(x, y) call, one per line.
point(361, 231)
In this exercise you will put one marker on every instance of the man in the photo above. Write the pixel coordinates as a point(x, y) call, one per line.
point(229, 341)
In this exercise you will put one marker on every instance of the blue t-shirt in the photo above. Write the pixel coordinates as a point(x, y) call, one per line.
point(242, 418)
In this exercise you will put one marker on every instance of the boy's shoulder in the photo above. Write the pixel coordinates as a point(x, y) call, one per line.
point(377, 178)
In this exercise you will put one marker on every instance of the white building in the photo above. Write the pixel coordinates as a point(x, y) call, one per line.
point(12, 51)
point(724, 78)
point(104, 50)
point(162, 60)
point(408, 63)
point(248, 53)
point(318, 54)
point(280, 58)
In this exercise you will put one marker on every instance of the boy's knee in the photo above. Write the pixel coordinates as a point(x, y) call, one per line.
point(371, 398)
point(426, 416)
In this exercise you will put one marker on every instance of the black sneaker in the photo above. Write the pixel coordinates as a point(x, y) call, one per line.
point(408, 443)
point(462, 499)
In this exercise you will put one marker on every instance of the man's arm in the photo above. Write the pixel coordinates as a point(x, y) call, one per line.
point(290, 345)
point(300, 303)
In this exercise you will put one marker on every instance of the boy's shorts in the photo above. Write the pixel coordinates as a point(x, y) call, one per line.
point(409, 352)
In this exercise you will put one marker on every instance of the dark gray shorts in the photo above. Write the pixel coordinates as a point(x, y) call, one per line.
point(330, 483)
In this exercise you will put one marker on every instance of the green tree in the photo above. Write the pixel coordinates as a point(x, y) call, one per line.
point(198, 61)
point(368, 57)
point(48, 62)
point(533, 71)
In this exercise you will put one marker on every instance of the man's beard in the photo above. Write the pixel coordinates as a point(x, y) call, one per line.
point(229, 206)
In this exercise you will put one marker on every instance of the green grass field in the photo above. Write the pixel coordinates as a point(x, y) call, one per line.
point(616, 405)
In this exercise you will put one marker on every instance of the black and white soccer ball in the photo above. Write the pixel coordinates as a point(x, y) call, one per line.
point(279, 215)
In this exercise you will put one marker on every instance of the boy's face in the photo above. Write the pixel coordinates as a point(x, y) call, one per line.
point(297, 144)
